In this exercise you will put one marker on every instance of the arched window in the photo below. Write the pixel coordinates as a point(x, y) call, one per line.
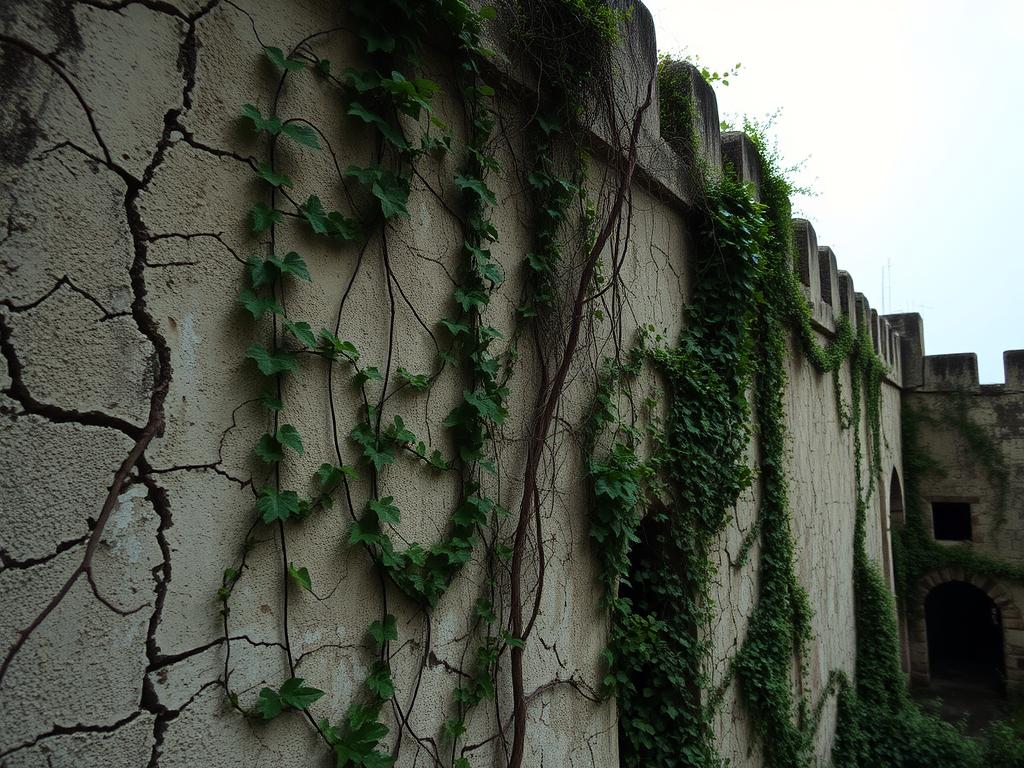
point(894, 519)
point(896, 500)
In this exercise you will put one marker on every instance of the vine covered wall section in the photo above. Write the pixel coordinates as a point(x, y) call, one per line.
point(306, 309)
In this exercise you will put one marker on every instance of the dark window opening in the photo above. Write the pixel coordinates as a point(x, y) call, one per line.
point(951, 520)
point(896, 501)
point(965, 637)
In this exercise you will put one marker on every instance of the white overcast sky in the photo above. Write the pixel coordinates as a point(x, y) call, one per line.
point(910, 116)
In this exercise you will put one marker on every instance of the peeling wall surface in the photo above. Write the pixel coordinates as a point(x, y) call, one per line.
point(128, 414)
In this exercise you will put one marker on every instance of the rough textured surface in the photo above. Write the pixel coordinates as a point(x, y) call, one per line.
point(993, 485)
point(126, 174)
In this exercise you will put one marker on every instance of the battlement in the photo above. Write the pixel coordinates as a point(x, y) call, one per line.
point(666, 165)
point(829, 290)
point(1013, 368)
point(956, 371)
point(949, 372)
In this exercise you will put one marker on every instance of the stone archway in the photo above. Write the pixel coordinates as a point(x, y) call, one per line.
point(1010, 614)
point(896, 513)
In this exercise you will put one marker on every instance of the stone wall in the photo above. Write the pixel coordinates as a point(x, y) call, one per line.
point(961, 421)
point(129, 413)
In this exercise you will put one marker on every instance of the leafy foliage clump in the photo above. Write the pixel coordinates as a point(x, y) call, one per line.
point(779, 628)
point(657, 574)
point(658, 598)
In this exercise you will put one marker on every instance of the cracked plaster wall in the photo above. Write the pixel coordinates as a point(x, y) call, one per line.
point(127, 403)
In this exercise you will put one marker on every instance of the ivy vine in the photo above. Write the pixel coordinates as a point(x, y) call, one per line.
point(390, 98)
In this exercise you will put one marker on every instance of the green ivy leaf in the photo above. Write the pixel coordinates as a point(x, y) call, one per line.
point(364, 435)
point(314, 213)
point(292, 264)
point(273, 178)
point(491, 272)
point(271, 363)
point(301, 133)
point(344, 348)
point(385, 510)
point(282, 62)
point(485, 406)
point(271, 401)
point(366, 176)
point(262, 217)
point(365, 532)
point(269, 449)
point(478, 187)
point(453, 728)
point(385, 631)
point(330, 477)
point(289, 436)
point(342, 227)
point(297, 695)
point(512, 641)
point(379, 458)
point(380, 681)
point(271, 124)
point(390, 132)
point(301, 331)
point(276, 505)
point(300, 576)
point(270, 704)
point(393, 194)
point(485, 611)
point(370, 373)
point(390, 190)
point(363, 81)
point(473, 511)
point(258, 306)
point(454, 328)
point(398, 434)
point(438, 461)
point(227, 583)
point(410, 96)
point(470, 299)
point(489, 333)
point(418, 381)
point(260, 272)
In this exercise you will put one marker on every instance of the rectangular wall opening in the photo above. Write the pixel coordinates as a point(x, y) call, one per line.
point(951, 520)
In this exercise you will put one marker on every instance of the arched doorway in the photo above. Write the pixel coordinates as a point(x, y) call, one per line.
point(965, 637)
point(1009, 615)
